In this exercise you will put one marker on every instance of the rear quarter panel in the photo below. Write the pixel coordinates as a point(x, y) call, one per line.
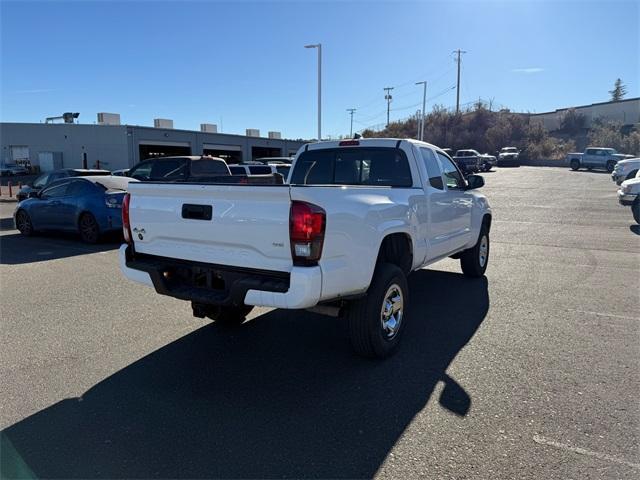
point(358, 218)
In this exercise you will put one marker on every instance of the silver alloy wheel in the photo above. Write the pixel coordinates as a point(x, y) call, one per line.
point(392, 311)
point(483, 250)
point(23, 223)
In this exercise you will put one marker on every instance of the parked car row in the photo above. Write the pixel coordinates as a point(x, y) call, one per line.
point(12, 169)
point(627, 175)
point(85, 201)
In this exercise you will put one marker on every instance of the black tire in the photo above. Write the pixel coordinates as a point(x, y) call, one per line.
point(610, 166)
point(88, 228)
point(474, 261)
point(230, 316)
point(375, 327)
point(632, 174)
point(635, 209)
point(575, 164)
point(23, 223)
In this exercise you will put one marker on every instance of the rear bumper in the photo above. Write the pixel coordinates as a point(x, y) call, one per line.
point(223, 285)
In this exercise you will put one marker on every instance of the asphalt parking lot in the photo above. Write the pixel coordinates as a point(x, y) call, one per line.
point(533, 372)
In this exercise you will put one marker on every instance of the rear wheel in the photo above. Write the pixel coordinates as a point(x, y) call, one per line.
point(376, 322)
point(575, 164)
point(23, 223)
point(88, 228)
point(610, 166)
point(230, 316)
point(474, 260)
point(635, 209)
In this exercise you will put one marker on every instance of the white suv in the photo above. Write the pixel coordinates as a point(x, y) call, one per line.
point(629, 195)
point(625, 170)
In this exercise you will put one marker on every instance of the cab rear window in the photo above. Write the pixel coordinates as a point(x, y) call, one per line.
point(353, 166)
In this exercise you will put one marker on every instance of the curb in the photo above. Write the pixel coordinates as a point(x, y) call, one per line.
point(8, 200)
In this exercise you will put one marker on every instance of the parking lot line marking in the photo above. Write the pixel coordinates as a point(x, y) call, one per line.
point(600, 314)
point(583, 451)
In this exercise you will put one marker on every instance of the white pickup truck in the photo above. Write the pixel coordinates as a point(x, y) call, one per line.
point(356, 218)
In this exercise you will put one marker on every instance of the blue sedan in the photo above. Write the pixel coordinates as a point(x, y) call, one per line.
point(90, 206)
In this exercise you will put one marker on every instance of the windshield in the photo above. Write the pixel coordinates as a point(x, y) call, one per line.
point(41, 181)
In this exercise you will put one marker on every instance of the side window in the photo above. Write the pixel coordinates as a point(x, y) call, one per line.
point(171, 169)
point(237, 170)
point(284, 171)
point(142, 171)
point(57, 190)
point(452, 177)
point(260, 170)
point(56, 176)
point(80, 187)
point(590, 151)
point(433, 169)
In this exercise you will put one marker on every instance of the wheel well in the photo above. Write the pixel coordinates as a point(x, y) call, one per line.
point(397, 249)
point(486, 220)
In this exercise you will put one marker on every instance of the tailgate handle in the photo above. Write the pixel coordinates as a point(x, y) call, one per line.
point(197, 212)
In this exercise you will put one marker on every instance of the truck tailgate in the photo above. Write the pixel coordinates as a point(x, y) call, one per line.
point(246, 226)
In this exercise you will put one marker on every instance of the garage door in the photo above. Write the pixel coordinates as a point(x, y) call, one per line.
point(19, 152)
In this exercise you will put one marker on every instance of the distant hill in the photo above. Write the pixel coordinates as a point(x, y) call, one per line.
point(488, 131)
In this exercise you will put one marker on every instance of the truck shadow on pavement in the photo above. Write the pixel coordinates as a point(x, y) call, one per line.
point(282, 396)
point(17, 249)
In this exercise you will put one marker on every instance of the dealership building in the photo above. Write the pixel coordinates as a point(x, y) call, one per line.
point(110, 145)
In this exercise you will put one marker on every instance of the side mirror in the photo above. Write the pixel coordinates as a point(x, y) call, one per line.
point(474, 181)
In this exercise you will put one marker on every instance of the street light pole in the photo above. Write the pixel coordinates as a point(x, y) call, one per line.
point(351, 111)
point(424, 105)
point(319, 47)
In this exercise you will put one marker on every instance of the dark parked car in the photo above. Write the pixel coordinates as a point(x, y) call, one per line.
point(11, 169)
point(47, 178)
point(90, 206)
point(469, 161)
point(179, 168)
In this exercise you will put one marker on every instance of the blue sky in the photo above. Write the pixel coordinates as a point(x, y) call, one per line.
point(243, 64)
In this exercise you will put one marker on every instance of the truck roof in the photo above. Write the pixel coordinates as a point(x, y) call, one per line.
point(369, 142)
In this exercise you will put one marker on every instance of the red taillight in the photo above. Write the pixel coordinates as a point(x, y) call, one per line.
point(306, 232)
point(126, 227)
point(347, 143)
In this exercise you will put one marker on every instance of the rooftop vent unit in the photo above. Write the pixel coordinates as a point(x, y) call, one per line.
point(162, 123)
point(108, 118)
point(67, 117)
point(275, 135)
point(253, 132)
point(208, 128)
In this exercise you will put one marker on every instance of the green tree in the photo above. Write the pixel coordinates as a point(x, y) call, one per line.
point(619, 91)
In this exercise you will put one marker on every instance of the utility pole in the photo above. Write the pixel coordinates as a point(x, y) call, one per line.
point(424, 105)
point(388, 98)
point(351, 111)
point(458, 52)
